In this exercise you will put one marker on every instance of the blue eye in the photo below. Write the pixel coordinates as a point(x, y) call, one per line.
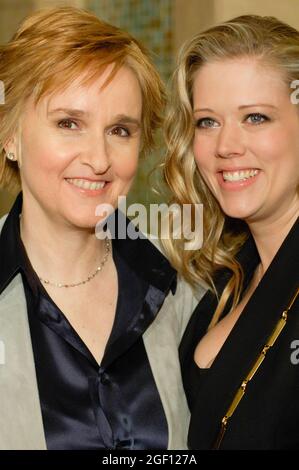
point(206, 123)
point(68, 124)
point(256, 118)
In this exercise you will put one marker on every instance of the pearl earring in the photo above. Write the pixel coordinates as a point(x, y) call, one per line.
point(11, 156)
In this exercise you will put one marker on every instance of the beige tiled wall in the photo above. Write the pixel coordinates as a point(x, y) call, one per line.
point(54, 3)
point(285, 10)
point(192, 16)
point(11, 13)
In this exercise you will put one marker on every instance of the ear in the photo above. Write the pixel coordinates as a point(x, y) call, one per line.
point(12, 148)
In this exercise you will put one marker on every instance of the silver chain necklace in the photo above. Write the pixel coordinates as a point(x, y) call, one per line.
point(99, 268)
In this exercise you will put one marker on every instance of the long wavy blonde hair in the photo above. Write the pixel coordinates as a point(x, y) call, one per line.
point(273, 43)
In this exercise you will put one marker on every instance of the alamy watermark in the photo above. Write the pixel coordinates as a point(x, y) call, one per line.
point(156, 221)
point(294, 358)
point(295, 94)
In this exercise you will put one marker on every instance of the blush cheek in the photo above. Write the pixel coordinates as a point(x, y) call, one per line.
point(202, 157)
point(271, 146)
point(35, 156)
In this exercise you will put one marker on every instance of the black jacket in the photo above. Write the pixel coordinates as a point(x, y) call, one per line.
point(54, 394)
point(268, 415)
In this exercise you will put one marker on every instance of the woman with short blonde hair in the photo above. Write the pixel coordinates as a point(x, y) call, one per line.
point(90, 324)
point(86, 45)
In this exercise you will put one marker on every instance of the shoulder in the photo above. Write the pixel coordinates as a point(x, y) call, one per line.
point(144, 258)
point(181, 302)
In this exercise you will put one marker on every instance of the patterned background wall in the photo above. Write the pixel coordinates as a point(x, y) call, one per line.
point(151, 23)
point(148, 21)
point(162, 25)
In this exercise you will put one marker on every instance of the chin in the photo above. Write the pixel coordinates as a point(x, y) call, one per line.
point(81, 221)
point(235, 212)
point(84, 223)
point(81, 215)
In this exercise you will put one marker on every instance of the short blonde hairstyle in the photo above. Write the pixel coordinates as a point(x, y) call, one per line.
point(53, 47)
point(274, 44)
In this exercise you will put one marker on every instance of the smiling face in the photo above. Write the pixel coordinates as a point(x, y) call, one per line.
point(246, 142)
point(80, 148)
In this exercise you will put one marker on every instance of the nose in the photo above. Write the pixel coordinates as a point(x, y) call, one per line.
point(96, 155)
point(230, 141)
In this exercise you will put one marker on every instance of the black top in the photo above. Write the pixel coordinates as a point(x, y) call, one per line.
point(194, 378)
point(267, 416)
point(85, 405)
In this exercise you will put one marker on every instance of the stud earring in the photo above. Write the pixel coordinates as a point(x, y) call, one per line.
point(11, 156)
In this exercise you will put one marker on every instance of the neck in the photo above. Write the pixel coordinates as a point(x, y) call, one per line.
point(57, 251)
point(269, 235)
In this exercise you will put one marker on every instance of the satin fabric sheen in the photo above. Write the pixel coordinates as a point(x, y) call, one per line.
point(86, 405)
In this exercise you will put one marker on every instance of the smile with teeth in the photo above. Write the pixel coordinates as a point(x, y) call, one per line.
point(241, 175)
point(85, 184)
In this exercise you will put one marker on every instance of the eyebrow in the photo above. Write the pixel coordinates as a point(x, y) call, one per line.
point(69, 111)
point(79, 112)
point(258, 104)
point(127, 119)
point(244, 106)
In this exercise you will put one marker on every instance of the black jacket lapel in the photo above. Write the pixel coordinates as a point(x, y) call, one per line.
point(247, 338)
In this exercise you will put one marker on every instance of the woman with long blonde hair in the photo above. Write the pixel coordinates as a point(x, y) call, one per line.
point(233, 145)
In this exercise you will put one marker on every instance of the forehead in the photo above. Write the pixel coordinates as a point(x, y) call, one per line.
point(121, 88)
point(239, 81)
